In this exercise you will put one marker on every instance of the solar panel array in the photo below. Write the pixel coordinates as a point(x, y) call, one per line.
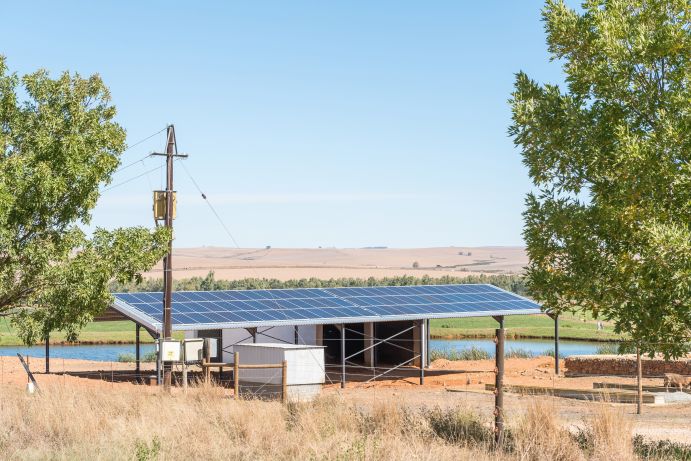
point(243, 308)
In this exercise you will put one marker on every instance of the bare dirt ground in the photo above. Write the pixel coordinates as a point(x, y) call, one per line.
point(669, 421)
point(295, 263)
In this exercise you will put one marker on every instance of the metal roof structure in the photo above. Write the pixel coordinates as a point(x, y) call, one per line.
point(211, 310)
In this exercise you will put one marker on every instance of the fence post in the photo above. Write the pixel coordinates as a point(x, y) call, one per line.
point(639, 378)
point(284, 382)
point(206, 360)
point(236, 375)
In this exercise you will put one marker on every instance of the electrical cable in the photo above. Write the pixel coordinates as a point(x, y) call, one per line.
point(142, 140)
point(213, 210)
point(131, 179)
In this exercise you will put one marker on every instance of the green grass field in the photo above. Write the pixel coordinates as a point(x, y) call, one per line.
point(119, 332)
point(518, 326)
point(523, 326)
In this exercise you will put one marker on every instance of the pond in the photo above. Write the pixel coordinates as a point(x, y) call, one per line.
point(534, 346)
point(110, 352)
point(98, 352)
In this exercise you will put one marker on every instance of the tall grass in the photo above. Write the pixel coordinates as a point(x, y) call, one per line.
point(140, 423)
point(608, 349)
point(467, 353)
point(128, 357)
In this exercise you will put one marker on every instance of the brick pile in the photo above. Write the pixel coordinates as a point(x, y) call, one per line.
point(623, 365)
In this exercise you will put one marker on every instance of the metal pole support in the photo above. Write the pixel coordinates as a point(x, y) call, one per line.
point(48, 353)
point(499, 383)
point(343, 355)
point(556, 345)
point(137, 353)
point(423, 350)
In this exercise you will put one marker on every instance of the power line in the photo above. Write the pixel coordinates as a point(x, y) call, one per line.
point(213, 210)
point(132, 179)
point(145, 139)
point(134, 145)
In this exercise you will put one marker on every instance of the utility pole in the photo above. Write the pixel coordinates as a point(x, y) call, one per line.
point(171, 154)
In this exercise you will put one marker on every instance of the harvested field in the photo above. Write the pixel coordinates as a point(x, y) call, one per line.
point(326, 263)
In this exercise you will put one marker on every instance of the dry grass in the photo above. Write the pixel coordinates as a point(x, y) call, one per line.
point(138, 423)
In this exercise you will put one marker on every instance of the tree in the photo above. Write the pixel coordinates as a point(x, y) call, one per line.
point(608, 229)
point(57, 146)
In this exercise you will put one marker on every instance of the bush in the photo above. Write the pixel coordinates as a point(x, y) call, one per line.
point(126, 357)
point(660, 449)
point(458, 427)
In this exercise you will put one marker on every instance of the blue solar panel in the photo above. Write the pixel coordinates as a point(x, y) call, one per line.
point(243, 308)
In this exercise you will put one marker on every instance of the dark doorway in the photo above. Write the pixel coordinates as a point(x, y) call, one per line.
point(387, 353)
point(354, 343)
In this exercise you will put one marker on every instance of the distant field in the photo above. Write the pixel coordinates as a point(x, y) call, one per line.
point(326, 263)
point(519, 326)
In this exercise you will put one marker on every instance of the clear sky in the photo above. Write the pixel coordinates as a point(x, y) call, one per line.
point(307, 123)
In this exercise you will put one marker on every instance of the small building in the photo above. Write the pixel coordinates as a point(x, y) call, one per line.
point(305, 370)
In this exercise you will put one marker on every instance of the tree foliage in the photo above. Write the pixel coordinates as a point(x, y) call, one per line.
point(512, 283)
point(608, 228)
point(58, 144)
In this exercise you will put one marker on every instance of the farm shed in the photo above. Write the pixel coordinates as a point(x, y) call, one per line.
point(367, 332)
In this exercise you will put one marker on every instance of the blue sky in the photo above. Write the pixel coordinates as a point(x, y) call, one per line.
point(307, 123)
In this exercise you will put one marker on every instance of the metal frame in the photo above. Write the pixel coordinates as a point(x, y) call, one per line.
point(422, 355)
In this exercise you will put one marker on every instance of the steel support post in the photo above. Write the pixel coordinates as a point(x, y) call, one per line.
point(499, 383)
point(423, 350)
point(297, 336)
point(343, 357)
point(48, 353)
point(137, 352)
point(427, 342)
point(556, 345)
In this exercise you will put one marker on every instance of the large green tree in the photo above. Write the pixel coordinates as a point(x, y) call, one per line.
point(608, 227)
point(58, 145)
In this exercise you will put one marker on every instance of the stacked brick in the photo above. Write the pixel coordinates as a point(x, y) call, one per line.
point(623, 365)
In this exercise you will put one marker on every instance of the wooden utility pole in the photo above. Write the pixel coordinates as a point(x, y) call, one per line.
point(171, 153)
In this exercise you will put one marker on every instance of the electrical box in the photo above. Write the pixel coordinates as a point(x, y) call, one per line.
point(170, 351)
point(213, 346)
point(160, 204)
point(193, 349)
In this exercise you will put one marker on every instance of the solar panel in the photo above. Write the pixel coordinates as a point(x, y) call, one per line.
point(247, 308)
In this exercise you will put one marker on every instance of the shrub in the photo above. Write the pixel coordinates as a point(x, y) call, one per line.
point(458, 426)
point(660, 449)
